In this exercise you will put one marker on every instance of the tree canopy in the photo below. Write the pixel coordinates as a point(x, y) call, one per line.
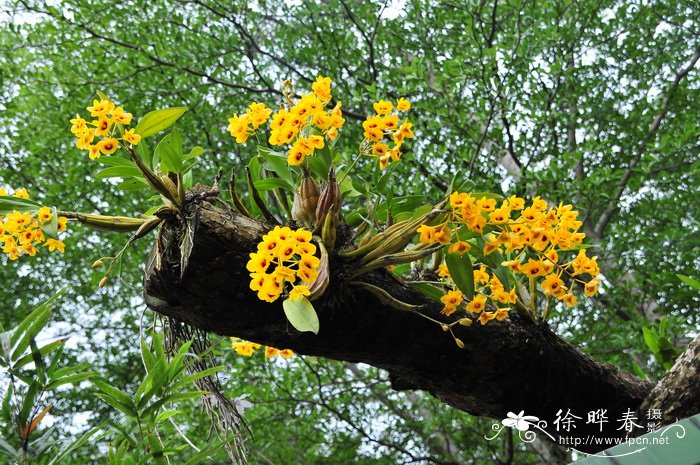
point(586, 103)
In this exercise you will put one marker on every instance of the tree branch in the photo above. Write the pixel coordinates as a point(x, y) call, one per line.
point(612, 207)
point(506, 367)
point(677, 395)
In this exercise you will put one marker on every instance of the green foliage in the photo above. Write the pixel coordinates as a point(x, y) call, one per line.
point(33, 374)
point(660, 345)
point(428, 289)
point(157, 120)
point(277, 163)
point(301, 314)
point(10, 204)
point(695, 284)
point(148, 433)
point(462, 273)
point(145, 433)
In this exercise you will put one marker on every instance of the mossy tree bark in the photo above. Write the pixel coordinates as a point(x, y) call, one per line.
point(505, 367)
point(677, 395)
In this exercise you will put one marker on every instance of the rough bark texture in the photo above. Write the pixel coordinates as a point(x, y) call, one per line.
point(506, 366)
point(677, 395)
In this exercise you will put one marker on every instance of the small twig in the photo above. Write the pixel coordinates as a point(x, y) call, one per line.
point(236, 202)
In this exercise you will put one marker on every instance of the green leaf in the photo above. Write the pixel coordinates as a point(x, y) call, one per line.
point(319, 167)
point(663, 325)
point(401, 269)
point(115, 161)
point(199, 375)
point(10, 204)
point(254, 166)
point(133, 184)
point(29, 319)
point(411, 215)
point(6, 411)
point(119, 172)
point(462, 273)
point(273, 183)
point(187, 178)
point(153, 209)
point(28, 403)
point(689, 281)
point(43, 351)
point(167, 414)
point(354, 218)
point(148, 358)
point(155, 406)
point(360, 186)
point(203, 455)
point(40, 445)
point(150, 385)
point(301, 314)
point(194, 153)
point(384, 178)
point(408, 203)
point(38, 322)
point(278, 164)
point(145, 153)
point(39, 364)
point(488, 195)
point(666, 349)
point(128, 439)
point(583, 246)
point(347, 188)
point(460, 183)
point(50, 229)
point(169, 151)
point(8, 450)
point(53, 366)
point(176, 365)
point(77, 444)
point(650, 339)
point(70, 379)
point(65, 371)
point(121, 406)
point(113, 392)
point(427, 289)
point(155, 121)
point(158, 347)
point(638, 370)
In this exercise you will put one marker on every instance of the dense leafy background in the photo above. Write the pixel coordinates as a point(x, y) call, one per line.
point(547, 97)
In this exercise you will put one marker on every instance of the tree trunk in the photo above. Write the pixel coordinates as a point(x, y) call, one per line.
point(677, 395)
point(505, 367)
